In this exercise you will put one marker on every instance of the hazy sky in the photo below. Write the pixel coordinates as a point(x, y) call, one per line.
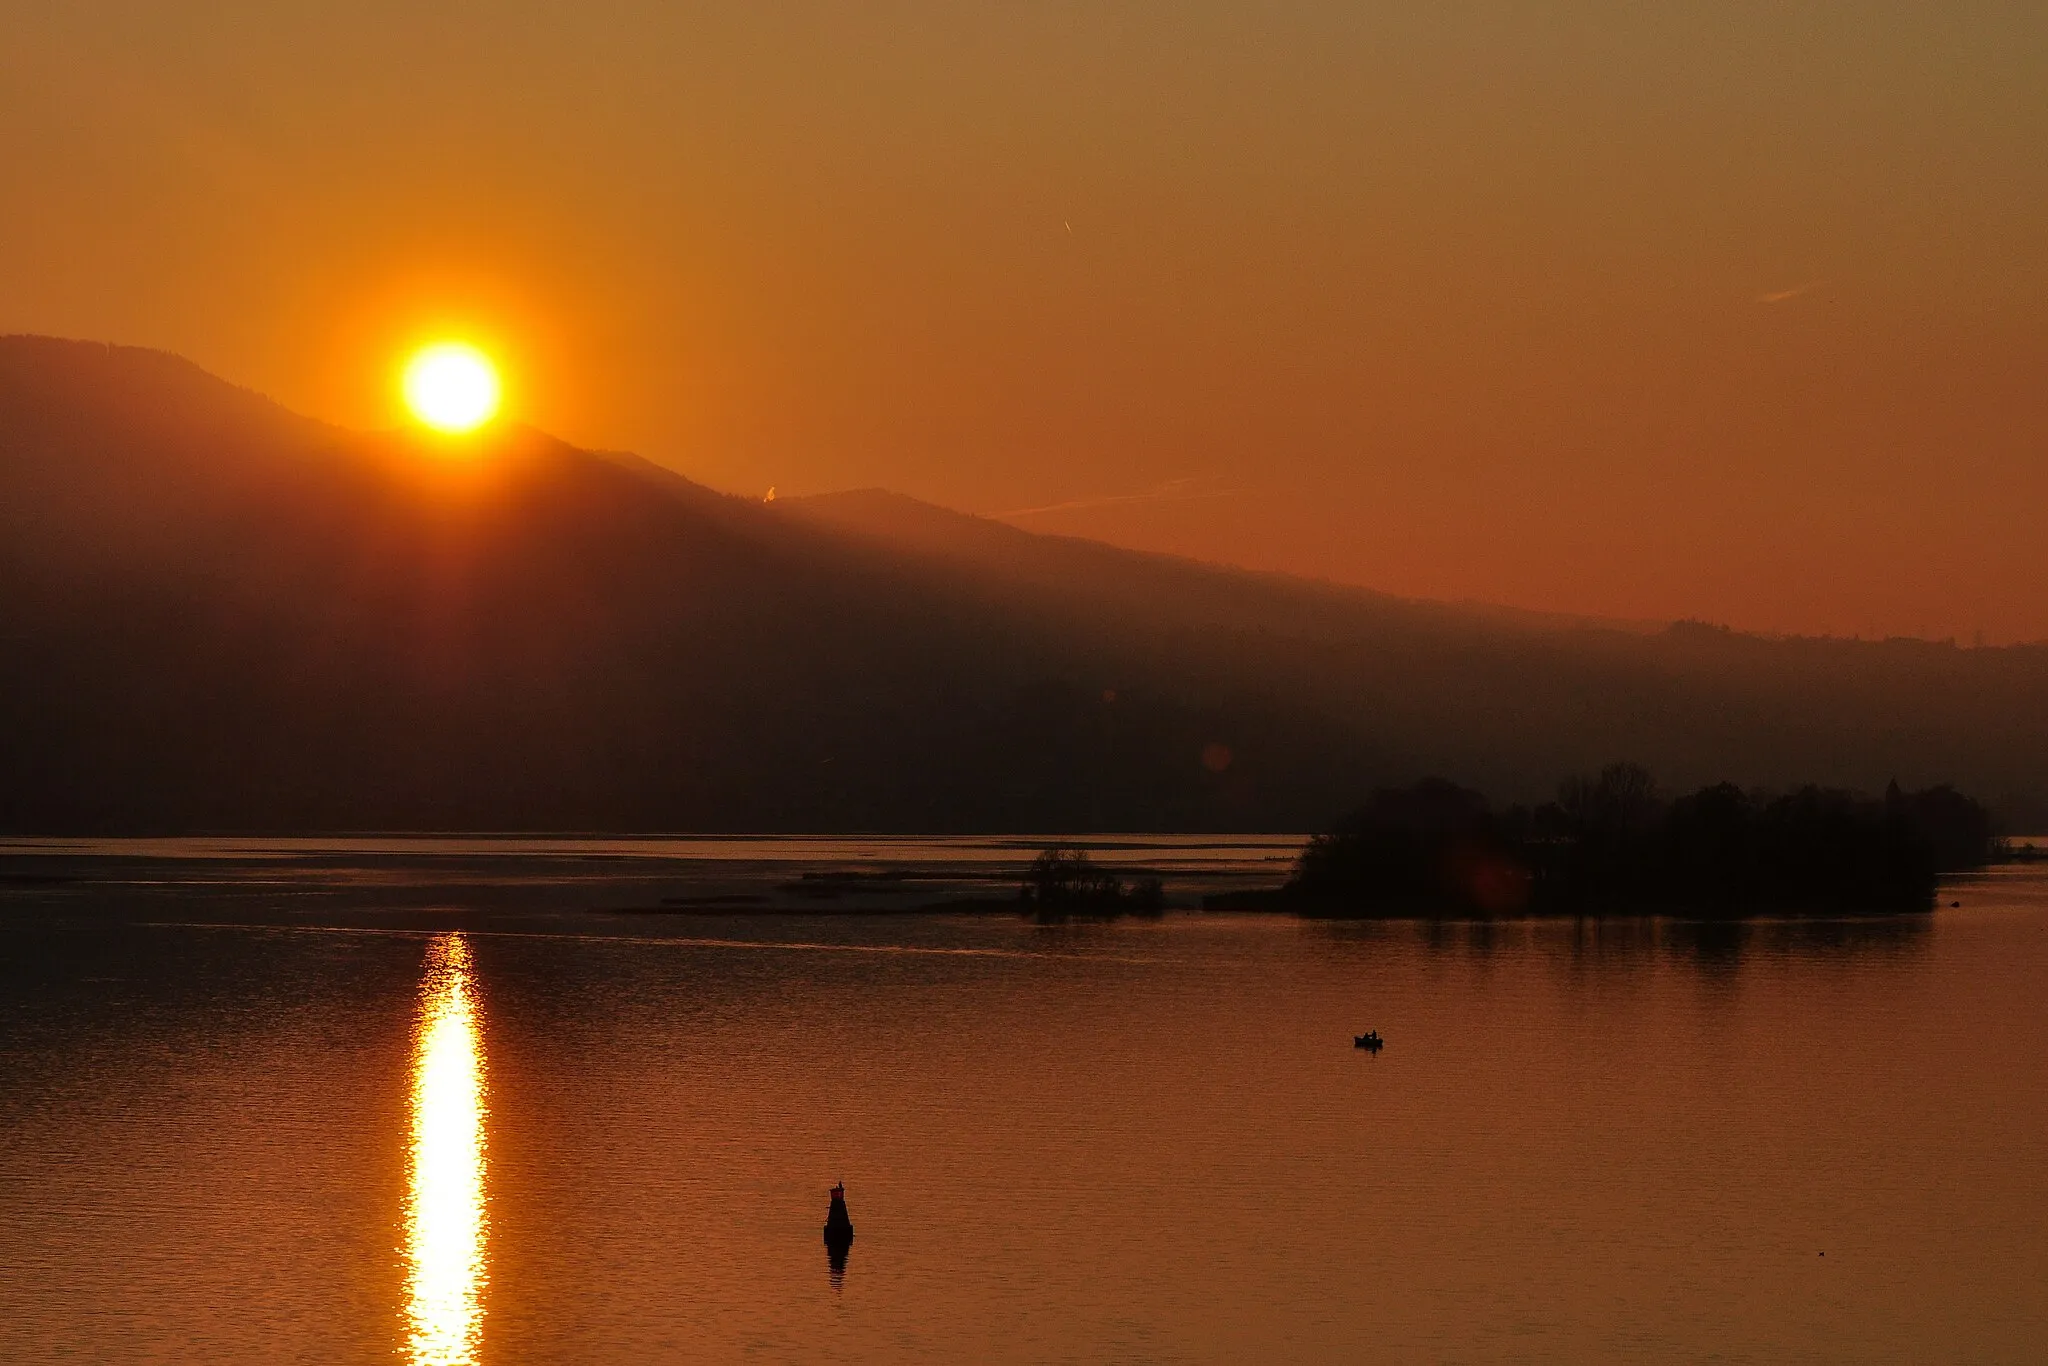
point(1733, 310)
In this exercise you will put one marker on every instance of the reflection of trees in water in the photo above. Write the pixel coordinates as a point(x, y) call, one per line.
point(1729, 942)
point(1713, 946)
point(1479, 939)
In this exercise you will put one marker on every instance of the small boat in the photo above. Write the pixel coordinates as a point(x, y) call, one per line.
point(1370, 1041)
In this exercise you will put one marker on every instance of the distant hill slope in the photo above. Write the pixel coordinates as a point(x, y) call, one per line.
point(1157, 587)
point(1515, 699)
point(217, 615)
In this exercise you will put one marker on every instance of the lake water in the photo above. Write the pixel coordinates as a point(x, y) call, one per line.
point(377, 1101)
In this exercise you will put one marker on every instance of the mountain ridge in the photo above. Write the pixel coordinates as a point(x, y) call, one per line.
point(907, 520)
point(224, 616)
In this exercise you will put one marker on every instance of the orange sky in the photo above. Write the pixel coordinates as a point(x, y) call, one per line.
point(1735, 310)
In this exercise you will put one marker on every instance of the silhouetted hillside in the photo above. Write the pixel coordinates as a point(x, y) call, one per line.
point(1506, 699)
point(217, 615)
point(1155, 590)
point(220, 616)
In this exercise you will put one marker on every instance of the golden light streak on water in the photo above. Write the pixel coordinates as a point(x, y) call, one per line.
point(445, 1223)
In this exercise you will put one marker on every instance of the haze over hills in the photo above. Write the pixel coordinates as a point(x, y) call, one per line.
point(217, 615)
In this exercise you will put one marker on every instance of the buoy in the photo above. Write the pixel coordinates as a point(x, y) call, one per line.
point(838, 1227)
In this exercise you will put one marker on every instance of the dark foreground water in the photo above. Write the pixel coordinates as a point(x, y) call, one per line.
point(313, 1121)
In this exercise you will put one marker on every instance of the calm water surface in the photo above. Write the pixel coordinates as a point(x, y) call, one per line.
point(303, 1123)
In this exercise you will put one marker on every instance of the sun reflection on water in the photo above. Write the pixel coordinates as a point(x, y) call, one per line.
point(445, 1224)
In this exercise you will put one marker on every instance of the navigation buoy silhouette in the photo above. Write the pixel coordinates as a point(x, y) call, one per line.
point(838, 1233)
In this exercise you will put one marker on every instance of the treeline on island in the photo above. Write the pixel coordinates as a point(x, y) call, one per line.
point(1063, 883)
point(1612, 845)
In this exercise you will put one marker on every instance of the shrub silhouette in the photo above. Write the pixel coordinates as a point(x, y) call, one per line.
point(1063, 881)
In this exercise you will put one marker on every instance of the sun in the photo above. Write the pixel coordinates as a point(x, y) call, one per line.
point(452, 387)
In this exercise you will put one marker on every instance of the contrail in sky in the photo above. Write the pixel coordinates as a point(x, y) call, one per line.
point(1779, 296)
point(1172, 491)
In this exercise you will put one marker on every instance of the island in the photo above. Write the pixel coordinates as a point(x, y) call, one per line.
point(1611, 845)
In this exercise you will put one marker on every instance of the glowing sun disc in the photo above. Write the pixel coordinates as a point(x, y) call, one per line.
point(452, 387)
